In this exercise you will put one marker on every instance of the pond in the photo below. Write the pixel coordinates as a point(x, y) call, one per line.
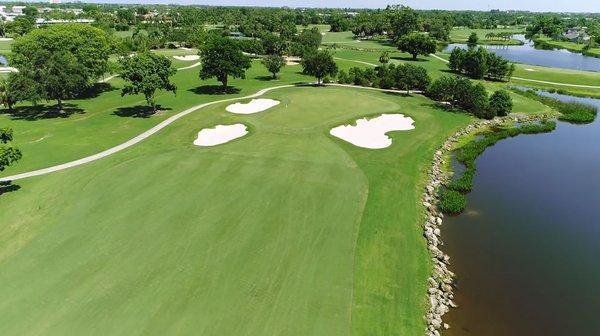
point(526, 249)
point(528, 54)
point(3, 60)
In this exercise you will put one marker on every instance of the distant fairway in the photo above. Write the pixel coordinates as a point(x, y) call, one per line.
point(286, 231)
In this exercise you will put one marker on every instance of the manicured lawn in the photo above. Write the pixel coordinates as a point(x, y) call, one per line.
point(286, 231)
point(461, 35)
point(109, 119)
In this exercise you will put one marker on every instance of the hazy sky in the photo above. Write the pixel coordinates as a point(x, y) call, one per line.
point(532, 5)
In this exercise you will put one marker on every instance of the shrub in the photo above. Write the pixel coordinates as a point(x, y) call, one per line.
point(452, 202)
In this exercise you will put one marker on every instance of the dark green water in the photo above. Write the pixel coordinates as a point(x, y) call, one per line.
point(527, 249)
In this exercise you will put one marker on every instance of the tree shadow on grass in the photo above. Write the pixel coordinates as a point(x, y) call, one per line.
point(398, 94)
point(96, 90)
point(443, 108)
point(215, 90)
point(6, 187)
point(409, 59)
point(139, 111)
point(38, 112)
point(265, 78)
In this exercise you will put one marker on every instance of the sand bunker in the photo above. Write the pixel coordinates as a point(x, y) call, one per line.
point(370, 133)
point(529, 69)
point(254, 106)
point(187, 58)
point(291, 60)
point(220, 134)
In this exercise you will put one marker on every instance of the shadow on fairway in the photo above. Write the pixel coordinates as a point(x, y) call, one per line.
point(265, 78)
point(215, 90)
point(38, 112)
point(6, 187)
point(139, 111)
point(409, 59)
point(96, 90)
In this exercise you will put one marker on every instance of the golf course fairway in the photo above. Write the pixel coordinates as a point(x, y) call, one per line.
point(286, 231)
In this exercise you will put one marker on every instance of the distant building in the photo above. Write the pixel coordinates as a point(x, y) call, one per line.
point(576, 34)
point(236, 34)
point(17, 10)
point(44, 22)
point(54, 1)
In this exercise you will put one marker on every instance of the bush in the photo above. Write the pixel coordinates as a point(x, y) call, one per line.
point(343, 77)
point(452, 202)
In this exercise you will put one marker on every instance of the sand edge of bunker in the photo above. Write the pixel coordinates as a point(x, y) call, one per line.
point(254, 106)
point(220, 134)
point(371, 133)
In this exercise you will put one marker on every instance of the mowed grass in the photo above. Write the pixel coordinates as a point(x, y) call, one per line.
point(461, 35)
point(287, 231)
point(107, 119)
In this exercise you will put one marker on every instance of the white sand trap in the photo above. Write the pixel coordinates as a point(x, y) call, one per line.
point(254, 106)
point(220, 134)
point(529, 69)
point(291, 60)
point(371, 133)
point(187, 58)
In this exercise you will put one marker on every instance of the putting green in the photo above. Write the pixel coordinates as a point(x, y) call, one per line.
point(287, 231)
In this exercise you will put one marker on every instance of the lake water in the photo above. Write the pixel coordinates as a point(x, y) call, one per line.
point(527, 249)
point(527, 54)
point(3, 60)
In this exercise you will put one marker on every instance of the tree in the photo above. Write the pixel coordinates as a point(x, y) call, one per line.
point(501, 103)
point(221, 58)
point(442, 89)
point(417, 44)
point(475, 64)
point(310, 39)
point(319, 64)
point(146, 73)
point(439, 28)
point(473, 40)
point(403, 20)
point(499, 68)
point(384, 58)
point(20, 87)
point(20, 26)
point(63, 76)
point(480, 102)
point(90, 46)
point(8, 155)
point(30, 11)
point(273, 63)
point(410, 77)
point(273, 44)
point(457, 60)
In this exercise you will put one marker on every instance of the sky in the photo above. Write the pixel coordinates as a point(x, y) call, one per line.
point(531, 5)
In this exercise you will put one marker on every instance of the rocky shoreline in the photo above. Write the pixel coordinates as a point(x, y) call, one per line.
point(440, 284)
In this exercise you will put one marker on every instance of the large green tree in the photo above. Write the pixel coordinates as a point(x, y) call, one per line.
point(147, 73)
point(62, 76)
point(411, 77)
point(221, 58)
point(403, 20)
point(417, 44)
point(319, 64)
point(90, 46)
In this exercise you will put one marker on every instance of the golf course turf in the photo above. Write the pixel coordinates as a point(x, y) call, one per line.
point(285, 231)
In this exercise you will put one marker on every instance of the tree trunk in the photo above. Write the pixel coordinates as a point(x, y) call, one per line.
point(415, 57)
point(318, 80)
point(224, 80)
point(60, 106)
point(274, 75)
